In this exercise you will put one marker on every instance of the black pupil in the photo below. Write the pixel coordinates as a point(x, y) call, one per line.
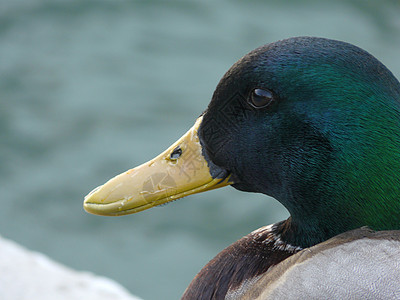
point(176, 153)
point(261, 98)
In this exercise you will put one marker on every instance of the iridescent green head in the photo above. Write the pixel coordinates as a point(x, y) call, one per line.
point(314, 123)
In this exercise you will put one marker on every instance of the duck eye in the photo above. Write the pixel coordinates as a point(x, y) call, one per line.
point(260, 98)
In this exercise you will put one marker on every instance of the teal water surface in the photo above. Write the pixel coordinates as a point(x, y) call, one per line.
point(89, 89)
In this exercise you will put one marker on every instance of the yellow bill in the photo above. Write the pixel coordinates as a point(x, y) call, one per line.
point(179, 171)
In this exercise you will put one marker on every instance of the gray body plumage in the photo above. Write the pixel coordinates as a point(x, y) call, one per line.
point(359, 264)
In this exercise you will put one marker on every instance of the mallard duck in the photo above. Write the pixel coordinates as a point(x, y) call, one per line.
point(312, 122)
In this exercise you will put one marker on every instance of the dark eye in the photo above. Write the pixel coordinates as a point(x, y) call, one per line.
point(260, 98)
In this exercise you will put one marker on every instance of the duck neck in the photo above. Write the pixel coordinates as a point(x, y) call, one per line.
point(342, 176)
point(348, 197)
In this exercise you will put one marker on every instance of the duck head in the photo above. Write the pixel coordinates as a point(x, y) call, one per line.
point(312, 122)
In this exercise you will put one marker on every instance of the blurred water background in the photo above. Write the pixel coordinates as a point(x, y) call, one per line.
point(89, 89)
